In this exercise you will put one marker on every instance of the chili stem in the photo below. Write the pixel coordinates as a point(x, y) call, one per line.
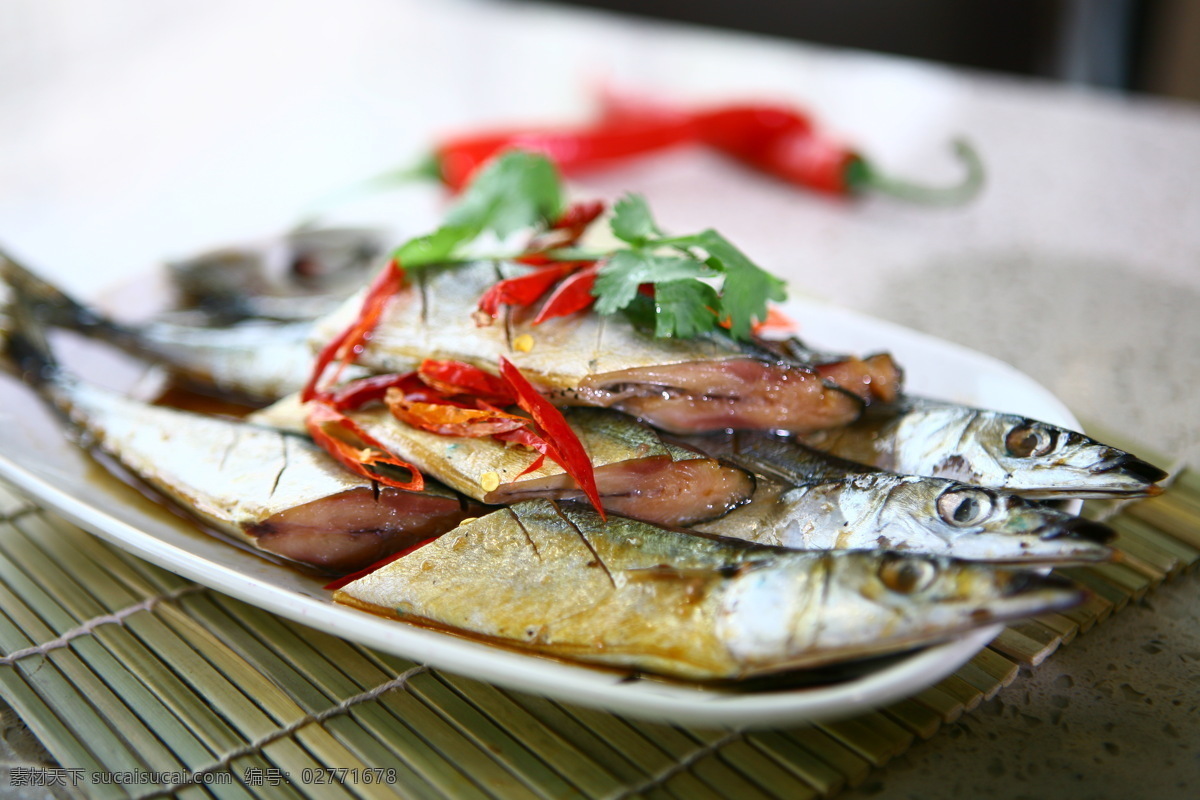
point(862, 176)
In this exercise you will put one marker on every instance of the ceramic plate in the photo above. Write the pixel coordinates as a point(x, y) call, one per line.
point(36, 456)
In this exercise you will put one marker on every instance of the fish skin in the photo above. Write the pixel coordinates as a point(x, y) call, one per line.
point(645, 486)
point(257, 361)
point(560, 582)
point(811, 500)
point(588, 359)
point(255, 484)
point(296, 277)
point(919, 436)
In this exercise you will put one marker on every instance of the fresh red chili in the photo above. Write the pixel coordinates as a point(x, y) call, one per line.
point(574, 150)
point(455, 377)
point(564, 446)
point(772, 138)
point(327, 427)
point(358, 393)
point(383, 562)
point(524, 290)
point(349, 343)
point(573, 294)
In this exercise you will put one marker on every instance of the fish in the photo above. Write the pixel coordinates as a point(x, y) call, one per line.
point(256, 361)
point(1015, 453)
point(560, 582)
point(293, 278)
point(638, 475)
point(690, 385)
point(274, 491)
point(808, 500)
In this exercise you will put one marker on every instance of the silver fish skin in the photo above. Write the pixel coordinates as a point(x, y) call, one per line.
point(255, 361)
point(293, 278)
point(681, 385)
point(561, 582)
point(814, 501)
point(637, 474)
point(1035, 459)
point(883, 511)
point(275, 491)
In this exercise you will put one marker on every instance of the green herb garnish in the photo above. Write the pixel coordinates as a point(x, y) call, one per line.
point(701, 282)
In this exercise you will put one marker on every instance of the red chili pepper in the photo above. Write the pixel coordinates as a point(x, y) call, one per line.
point(775, 139)
point(564, 446)
point(358, 393)
point(449, 420)
point(328, 427)
point(525, 289)
point(383, 562)
point(347, 345)
point(578, 216)
point(455, 377)
point(573, 294)
point(574, 150)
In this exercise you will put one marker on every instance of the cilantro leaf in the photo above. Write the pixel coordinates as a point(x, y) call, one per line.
point(618, 280)
point(433, 248)
point(684, 302)
point(632, 221)
point(746, 289)
point(684, 308)
point(516, 191)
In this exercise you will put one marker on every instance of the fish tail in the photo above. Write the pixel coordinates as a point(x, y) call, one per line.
point(26, 344)
point(52, 306)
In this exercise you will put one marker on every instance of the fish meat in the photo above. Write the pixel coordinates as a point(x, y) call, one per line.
point(680, 385)
point(275, 491)
point(637, 474)
point(919, 436)
point(560, 582)
point(808, 500)
point(258, 361)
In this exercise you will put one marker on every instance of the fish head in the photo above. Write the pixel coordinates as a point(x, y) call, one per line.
point(893, 600)
point(990, 525)
point(808, 609)
point(1027, 456)
point(944, 517)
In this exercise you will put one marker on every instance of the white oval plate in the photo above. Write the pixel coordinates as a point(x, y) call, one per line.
point(36, 457)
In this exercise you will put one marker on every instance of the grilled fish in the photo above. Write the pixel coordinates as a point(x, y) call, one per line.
point(1035, 459)
point(812, 501)
point(294, 278)
point(637, 474)
point(680, 385)
point(275, 491)
point(259, 361)
point(560, 582)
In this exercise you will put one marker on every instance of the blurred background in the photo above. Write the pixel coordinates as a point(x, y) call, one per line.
point(1150, 46)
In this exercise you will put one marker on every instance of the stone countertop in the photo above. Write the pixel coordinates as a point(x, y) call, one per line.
point(134, 133)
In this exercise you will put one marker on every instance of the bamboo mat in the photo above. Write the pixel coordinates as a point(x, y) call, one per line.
point(138, 683)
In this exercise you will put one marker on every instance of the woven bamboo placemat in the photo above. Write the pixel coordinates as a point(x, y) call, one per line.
point(138, 683)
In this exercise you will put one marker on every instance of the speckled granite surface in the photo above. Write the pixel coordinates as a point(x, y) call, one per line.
point(1113, 715)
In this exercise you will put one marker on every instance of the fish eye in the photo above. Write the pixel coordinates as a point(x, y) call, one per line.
point(907, 574)
point(1030, 439)
point(965, 506)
